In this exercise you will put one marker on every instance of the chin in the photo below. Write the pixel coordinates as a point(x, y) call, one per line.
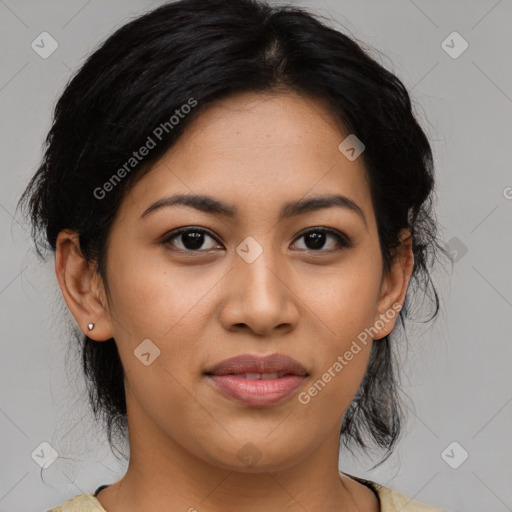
point(256, 456)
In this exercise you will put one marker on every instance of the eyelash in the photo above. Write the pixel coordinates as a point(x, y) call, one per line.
point(344, 242)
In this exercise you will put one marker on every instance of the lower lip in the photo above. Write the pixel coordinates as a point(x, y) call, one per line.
point(258, 392)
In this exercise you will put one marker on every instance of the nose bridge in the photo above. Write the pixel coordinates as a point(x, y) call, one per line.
point(260, 278)
point(263, 301)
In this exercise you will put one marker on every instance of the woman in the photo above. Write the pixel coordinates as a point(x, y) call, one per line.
point(238, 198)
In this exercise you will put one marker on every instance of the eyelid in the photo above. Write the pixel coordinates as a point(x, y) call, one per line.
point(178, 231)
point(343, 240)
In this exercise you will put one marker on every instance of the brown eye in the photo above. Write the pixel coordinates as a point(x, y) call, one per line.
point(315, 240)
point(191, 239)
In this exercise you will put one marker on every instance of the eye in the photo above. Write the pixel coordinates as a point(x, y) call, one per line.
point(193, 239)
point(190, 239)
point(316, 238)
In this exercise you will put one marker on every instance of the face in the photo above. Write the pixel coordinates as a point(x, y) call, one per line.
point(256, 277)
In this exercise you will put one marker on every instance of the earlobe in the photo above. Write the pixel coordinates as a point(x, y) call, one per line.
point(81, 287)
point(395, 284)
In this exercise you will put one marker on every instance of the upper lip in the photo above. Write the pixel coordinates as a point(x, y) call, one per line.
point(247, 363)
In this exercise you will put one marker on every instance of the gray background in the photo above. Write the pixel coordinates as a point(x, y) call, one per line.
point(457, 372)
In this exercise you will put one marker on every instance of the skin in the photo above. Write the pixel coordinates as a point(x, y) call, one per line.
point(256, 152)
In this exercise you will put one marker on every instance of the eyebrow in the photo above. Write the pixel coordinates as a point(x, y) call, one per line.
point(211, 205)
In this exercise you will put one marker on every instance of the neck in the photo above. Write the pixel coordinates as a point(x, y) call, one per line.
point(163, 474)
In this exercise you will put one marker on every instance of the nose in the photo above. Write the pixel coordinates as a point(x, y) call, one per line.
point(261, 298)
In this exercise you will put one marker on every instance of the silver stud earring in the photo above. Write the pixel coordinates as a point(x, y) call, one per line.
point(90, 326)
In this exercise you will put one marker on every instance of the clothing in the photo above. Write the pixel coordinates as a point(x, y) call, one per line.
point(390, 500)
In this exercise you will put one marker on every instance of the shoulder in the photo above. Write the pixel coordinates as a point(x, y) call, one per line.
point(392, 501)
point(80, 503)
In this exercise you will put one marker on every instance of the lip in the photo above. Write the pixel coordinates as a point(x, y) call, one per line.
point(228, 377)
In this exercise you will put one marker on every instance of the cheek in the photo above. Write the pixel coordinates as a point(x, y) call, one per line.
point(322, 405)
point(333, 387)
point(345, 300)
point(344, 310)
point(170, 307)
point(153, 298)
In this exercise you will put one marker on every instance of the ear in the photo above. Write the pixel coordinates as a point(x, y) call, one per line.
point(394, 286)
point(82, 287)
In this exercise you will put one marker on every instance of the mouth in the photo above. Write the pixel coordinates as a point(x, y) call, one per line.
point(257, 381)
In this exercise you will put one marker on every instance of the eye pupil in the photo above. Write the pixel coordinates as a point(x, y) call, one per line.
point(192, 239)
point(317, 239)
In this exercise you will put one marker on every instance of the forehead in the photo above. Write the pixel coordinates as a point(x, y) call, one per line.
point(258, 150)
